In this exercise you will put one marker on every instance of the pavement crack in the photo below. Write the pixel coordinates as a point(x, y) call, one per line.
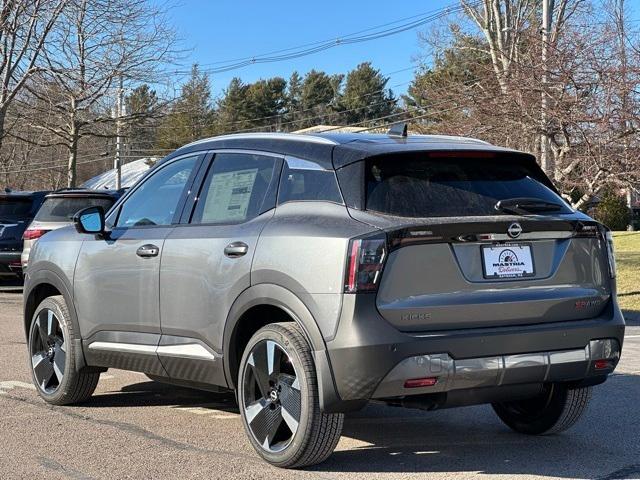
point(140, 432)
point(51, 464)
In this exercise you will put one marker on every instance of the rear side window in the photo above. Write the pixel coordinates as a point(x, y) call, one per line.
point(14, 208)
point(236, 188)
point(62, 209)
point(299, 182)
point(415, 186)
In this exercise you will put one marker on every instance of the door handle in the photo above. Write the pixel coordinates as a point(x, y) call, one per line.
point(146, 251)
point(236, 249)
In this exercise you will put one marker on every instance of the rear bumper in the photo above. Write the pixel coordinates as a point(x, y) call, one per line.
point(497, 371)
point(10, 264)
point(370, 359)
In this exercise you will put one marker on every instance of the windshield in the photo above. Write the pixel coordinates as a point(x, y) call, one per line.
point(14, 208)
point(415, 186)
point(62, 209)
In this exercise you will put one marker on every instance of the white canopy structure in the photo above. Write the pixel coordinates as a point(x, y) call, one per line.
point(131, 173)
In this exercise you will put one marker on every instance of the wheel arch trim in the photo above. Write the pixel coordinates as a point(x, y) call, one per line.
point(280, 297)
point(49, 277)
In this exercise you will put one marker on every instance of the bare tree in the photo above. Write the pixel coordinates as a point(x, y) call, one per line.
point(100, 45)
point(487, 82)
point(25, 28)
point(503, 24)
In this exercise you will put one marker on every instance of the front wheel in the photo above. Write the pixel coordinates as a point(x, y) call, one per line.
point(556, 409)
point(278, 398)
point(52, 354)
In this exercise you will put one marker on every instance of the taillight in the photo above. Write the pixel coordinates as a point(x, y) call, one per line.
point(611, 254)
point(365, 260)
point(33, 234)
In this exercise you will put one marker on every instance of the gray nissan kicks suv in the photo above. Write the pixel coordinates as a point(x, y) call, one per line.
point(315, 273)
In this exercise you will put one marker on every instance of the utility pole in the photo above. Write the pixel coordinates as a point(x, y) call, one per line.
point(548, 164)
point(117, 162)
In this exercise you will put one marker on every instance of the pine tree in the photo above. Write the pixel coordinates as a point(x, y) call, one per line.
point(293, 101)
point(191, 117)
point(231, 112)
point(365, 95)
point(266, 98)
point(142, 108)
point(319, 98)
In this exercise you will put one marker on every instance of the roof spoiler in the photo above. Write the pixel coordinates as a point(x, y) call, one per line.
point(398, 130)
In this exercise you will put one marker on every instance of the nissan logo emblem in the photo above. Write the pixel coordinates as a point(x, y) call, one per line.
point(514, 230)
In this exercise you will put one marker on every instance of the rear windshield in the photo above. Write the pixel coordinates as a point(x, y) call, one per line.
point(449, 187)
point(14, 208)
point(62, 209)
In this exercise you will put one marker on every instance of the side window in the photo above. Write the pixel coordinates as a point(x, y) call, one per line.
point(156, 200)
point(236, 188)
point(302, 180)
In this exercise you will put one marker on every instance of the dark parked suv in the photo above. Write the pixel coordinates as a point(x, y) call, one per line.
point(315, 273)
point(17, 209)
point(58, 210)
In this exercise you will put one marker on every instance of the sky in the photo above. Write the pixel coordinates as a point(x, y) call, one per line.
point(218, 30)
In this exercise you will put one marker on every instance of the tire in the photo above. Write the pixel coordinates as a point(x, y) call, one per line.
point(52, 356)
point(270, 418)
point(555, 410)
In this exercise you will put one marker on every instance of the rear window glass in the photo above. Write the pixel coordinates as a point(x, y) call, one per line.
point(62, 209)
point(413, 186)
point(13, 208)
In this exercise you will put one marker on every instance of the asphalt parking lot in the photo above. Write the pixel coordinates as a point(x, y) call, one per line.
point(135, 428)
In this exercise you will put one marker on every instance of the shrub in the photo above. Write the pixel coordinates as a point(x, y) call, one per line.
point(613, 211)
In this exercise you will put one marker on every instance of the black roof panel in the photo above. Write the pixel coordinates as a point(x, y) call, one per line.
point(335, 150)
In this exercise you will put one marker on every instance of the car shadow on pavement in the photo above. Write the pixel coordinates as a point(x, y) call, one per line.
point(10, 285)
point(632, 318)
point(604, 444)
point(156, 394)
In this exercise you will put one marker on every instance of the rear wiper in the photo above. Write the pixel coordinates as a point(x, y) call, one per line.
point(524, 205)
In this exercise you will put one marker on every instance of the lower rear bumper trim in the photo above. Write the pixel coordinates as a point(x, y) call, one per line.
point(497, 371)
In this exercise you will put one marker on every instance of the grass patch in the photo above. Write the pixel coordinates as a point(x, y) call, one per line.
point(627, 246)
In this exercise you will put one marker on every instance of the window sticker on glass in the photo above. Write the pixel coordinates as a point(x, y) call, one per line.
point(231, 193)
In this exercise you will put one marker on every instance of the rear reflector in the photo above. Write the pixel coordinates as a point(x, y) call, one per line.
point(33, 234)
point(421, 382)
point(602, 364)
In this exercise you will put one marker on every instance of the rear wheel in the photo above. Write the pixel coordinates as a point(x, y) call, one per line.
point(556, 409)
point(52, 356)
point(278, 398)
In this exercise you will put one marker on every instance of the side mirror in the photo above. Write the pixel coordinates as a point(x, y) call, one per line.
point(90, 220)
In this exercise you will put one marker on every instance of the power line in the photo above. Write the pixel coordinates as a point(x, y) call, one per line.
point(384, 125)
point(320, 41)
point(352, 38)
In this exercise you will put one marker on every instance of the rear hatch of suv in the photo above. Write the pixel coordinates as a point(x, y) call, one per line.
point(16, 210)
point(478, 239)
point(60, 207)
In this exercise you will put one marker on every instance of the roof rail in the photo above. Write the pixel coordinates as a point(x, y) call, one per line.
point(266, 135)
